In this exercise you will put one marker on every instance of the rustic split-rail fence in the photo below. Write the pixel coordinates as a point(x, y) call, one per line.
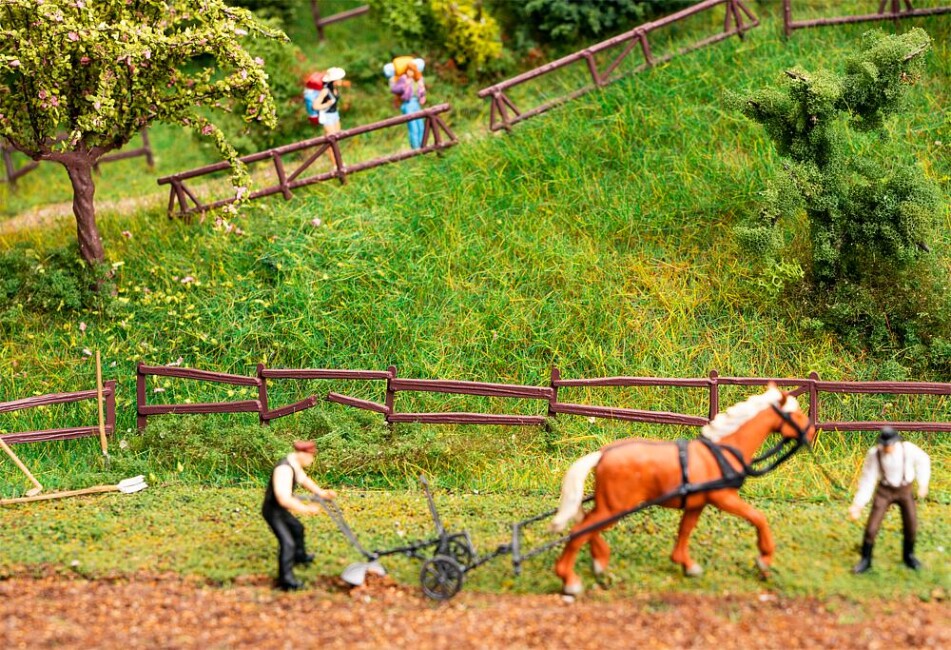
point(887, 10)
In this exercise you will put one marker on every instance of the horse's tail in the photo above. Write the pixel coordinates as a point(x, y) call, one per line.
point(572, 491)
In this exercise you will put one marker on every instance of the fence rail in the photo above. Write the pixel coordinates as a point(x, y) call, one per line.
point(502, 104)
point(887, 10)
point(109, 397)
point(811, 385)
point(320, 23)
point(434, 128)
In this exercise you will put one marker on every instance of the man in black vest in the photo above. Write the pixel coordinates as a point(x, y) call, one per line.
point(279, 502)
point(889, 470)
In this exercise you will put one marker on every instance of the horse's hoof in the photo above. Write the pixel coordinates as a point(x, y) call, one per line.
point(763, 568)
point(573, 589)
point(693, 571)
point(605, 579)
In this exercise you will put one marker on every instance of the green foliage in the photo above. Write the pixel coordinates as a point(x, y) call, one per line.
point(282, 10)
point(462, 29)
point(54, 282)
point(569, 20)
point(284, 64)
point(871, 212)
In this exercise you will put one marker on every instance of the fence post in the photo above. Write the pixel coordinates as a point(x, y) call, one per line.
point(262, 396)
point(141, 421)
point(315, 10)
point(593, 68)
point(787, 18)
point(111, 406)
point(813, 397)
point(553, 398)
point(390, 398)
point(338, 159)
point(714, 394)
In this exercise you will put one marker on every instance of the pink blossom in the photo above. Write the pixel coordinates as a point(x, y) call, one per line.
point(187, 279)
point(127, 234)
point(82, 326)
point(73, 36)
point(15, 63)
point(54, 101)
point(148, 54)
point(261, 98)
point(259, 60)
point(85, 60)
point(316, 222)
point(207, 129)
point(44, 94)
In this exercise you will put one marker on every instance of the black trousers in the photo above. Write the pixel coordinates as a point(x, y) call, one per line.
point(290, 538)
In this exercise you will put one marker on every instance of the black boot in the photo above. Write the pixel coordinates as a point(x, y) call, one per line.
point(289, 583)
point(908, 555)
point(304, 558)
point(866, 562)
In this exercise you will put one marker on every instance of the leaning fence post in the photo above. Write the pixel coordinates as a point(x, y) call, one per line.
point(592, 67)
point(262, 396)
point(553, 396)
point(714, 394)
point(814, 397)
point(141, 421)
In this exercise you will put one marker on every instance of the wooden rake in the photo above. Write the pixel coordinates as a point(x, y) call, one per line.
point(126, 486)
point(19, 463)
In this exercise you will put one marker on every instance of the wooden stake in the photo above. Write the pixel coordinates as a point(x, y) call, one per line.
point(19, 463)
point(102, 421)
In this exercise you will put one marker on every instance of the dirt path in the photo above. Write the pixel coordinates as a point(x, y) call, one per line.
point(155, 611)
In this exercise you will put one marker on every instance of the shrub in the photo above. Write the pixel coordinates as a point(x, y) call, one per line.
point(57, 282)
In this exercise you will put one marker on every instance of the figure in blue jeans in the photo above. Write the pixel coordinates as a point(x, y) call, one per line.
point(406, 83)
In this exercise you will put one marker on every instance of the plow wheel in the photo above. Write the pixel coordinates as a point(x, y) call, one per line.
point(459, 549)
point(441, 577)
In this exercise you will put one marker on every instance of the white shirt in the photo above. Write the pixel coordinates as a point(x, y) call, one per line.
point(903, 465)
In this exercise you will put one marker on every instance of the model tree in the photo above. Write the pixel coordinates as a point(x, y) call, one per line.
point(870, 208)
point(80, 78)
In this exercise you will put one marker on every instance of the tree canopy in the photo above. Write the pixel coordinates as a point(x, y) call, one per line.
point(80, 78)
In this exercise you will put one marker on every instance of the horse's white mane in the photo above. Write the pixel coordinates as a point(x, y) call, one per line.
point(726, 422)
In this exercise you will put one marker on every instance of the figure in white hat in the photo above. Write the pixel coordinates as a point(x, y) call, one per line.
point(326, 103)
point(406, 83)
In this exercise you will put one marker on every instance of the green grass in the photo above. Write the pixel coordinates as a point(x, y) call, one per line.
point(218, 534)
point(595, 238)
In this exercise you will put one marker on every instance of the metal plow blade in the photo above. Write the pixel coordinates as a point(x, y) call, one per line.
point(130, 485)
point(356, 573)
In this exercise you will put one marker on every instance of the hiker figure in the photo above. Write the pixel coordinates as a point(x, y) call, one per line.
point(409, 93)
point(279, 502)
point(889, 470)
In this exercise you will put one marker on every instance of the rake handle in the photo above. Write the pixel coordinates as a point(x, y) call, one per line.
point(60, 495)
point(102, 423)
point(20, 464)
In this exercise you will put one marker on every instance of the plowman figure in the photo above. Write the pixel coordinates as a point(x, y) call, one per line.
point(891, 466)
point(279, 502)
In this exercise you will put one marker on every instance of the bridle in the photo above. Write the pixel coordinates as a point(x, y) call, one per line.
point(782, 450)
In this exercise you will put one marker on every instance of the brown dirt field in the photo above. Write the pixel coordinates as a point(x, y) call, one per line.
point(167, 611)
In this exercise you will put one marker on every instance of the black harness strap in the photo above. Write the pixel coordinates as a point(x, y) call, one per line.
point(732, 478)
point(684, 481)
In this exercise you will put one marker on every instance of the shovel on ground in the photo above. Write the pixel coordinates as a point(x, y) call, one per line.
point(126, 486)
point(356, 574)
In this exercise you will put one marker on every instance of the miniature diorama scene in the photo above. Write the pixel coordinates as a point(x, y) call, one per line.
point(475, 323)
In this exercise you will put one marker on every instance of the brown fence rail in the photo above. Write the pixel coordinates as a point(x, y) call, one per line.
point(11, 173)
point(435, 129)
point(501, 105)
point(887, 10)
point(109, 397)
point(320, 23)
point(810, 385)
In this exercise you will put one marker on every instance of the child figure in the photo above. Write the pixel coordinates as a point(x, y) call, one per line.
point(406, 83)
point(322, 99)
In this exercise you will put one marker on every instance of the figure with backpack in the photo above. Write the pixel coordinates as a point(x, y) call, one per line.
point(406, 83)
point(322, 101)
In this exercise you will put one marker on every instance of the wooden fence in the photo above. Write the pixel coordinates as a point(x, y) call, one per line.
point(887, 10)
point(11, 173)
point(501, 104)
point(320, 23)
point(435, 129)
point(109, 397)
point(547, 396)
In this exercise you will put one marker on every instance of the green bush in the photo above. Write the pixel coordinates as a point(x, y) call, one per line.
point(282, 10)
point(57, 282)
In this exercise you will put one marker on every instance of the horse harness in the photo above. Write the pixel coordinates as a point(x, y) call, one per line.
point(732, 478)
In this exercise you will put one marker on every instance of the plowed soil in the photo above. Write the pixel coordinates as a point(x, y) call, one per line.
point(167, 611)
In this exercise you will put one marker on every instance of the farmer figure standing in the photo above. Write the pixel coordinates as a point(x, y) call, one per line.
point(279, 502)
point(890, 468)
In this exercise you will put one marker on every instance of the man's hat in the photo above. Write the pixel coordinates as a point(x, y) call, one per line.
point(307, 446)
point(334, 74)
point(888, 436)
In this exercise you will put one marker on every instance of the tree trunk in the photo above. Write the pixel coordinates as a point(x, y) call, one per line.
point(84, 208)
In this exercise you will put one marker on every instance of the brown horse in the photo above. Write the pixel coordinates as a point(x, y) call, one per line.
point(631, 472)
